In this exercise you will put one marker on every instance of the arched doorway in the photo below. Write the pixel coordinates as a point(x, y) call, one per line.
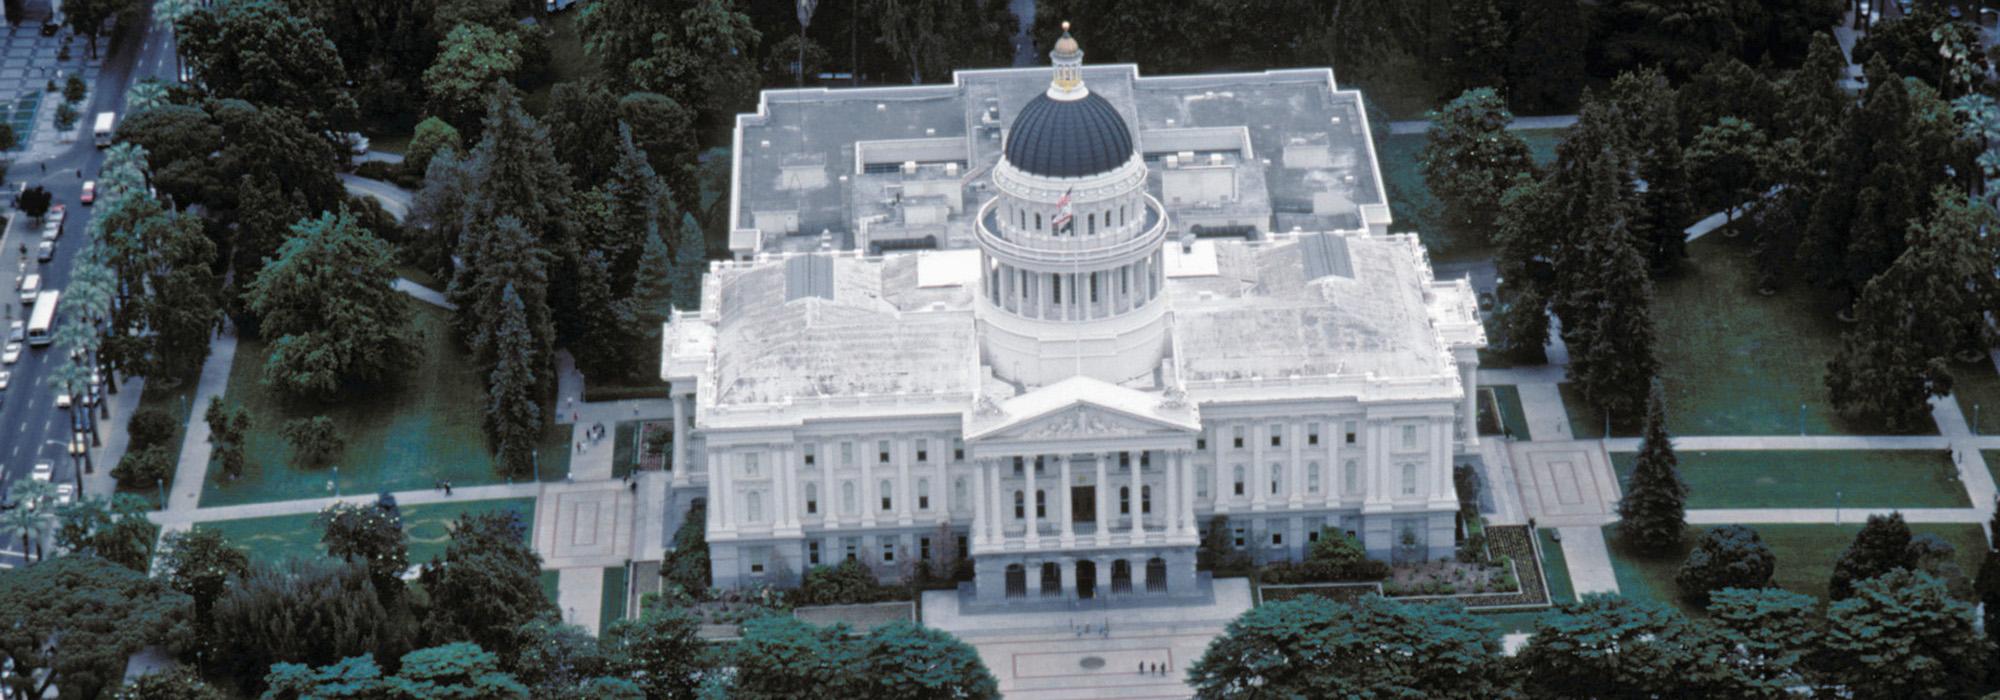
point(1051, 579)
point(1017, 581)
point(1086, 579)
point(1156, 575)
point(1121, 576)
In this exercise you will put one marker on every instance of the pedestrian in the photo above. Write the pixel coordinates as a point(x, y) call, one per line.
point(79, 173)
point(635, 487)
point(45, 167)
point(447, 488)
point(1142, 667)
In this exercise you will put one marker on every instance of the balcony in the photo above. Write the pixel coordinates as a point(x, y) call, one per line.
point(1034, 247)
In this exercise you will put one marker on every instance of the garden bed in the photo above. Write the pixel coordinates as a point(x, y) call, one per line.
point(1515, 543)
point(1337, 592)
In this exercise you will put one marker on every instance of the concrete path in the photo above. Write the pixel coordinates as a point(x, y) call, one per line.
point(1792, 442)
point(1560, 121)
point(580, 596)
point(395, 200)
point(313, 505)
point(1589, 560)
point(1753, 516)
point(192, 467)
point(423, 294)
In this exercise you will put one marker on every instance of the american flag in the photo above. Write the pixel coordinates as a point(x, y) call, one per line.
point(1063, 214)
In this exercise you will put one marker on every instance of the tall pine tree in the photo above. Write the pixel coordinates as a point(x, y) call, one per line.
point(690, 263)
point(1654, 511)
point(513, 416)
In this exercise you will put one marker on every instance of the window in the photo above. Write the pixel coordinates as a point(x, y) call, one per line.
point(1312, 535)
point(846, 454)
point(1017, 466)
point(923, 494)
point(924, 548)
point(753, 506)
point(852, 546)
point(812, 552)
point(1201, 482)
point(1239, 479)
point(958, 493)
point(1409, 479)
point(1124, 461)
point(1277, 471)
point(1312, 477)
point(1312, 433)
point(958, 449)
point(923, 450)
point(758, 558)
point(812, 497)
point(1277, 435)
point(1124, 500)
point(812, 453)
point(848, 501)
point(1239, 437)
point(1350, 432)
point(888, 551)
point(1038, 221)
point(1409, 437)
point(750, 465)
point(1055, 288)
point(886, 488)
point(882, 451)
point(1145, 499)
point(1145, 459)
point(1039, 462)
point(1236, 537)
point(1201, 441)
point(1350, 477)
point(1093, 223)
point(1041, 504)
point(1020, 507)
point(1093, 285)
point(1277, 539)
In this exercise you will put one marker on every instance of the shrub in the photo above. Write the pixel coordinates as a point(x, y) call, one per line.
point(686, 567)
point(1731, 556)
point(314, 439)
point(150, 427)
point(1473, 549)
point(144, 468)
point(850, 582)
point(376, 170)
point(65, 116)
point(74, 89)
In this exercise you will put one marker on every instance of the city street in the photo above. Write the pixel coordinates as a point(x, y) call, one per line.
point(35, 429)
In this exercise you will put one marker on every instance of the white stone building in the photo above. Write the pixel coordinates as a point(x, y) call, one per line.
point(910, 357)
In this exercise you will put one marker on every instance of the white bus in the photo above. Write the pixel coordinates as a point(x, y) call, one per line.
point(103, 128)
point(42, 321)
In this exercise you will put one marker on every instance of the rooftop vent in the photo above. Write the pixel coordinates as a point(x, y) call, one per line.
point(1214, 159)
point(909, 167)
point(808, 276)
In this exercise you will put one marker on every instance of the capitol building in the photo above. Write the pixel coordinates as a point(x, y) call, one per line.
point(1062, 321)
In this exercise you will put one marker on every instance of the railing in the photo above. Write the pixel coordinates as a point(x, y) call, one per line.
point(1043, 248)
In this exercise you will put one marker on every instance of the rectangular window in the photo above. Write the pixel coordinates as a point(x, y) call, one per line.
point(1350, 432)
point(1239, 437)
point(1201, 441)
point(1409, 479)
point(1409, 437)
point(882, 451)
point(1146, 459)
point(1312, 433)
point(961, 546)
point(852, 545)
point(888, 552)
point(924, 500)
point(750, 465)
point(958, 449)
point(1277, 539)
point(924, 548)
point(1039, 462)
point(812, 453)
point(923, 450)
point(846, 454)
point(812, 552)
point(1277, 435)
point(1237, 536)
point(812, 498)
point(1312, 535)
point(1017, 465)
point(1124, 461)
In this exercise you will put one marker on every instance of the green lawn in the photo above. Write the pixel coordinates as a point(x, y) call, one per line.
point(424, 428)
point(1410, 196)
point(1555, 568)
point(282, 536)
point(175, 401)
point(1992, 460)
point(1512, 416)
point(1977, 389)
point(1805, 553)
point(1585, 421)
point(1811, 478)
point(1738, 363)
point(613, 606)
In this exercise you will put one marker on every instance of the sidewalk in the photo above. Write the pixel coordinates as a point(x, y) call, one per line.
point(1560, 121)
point(1589, 560)
point(192, 467)
point(423, 294)
point(313, 505)
point(1852, 516)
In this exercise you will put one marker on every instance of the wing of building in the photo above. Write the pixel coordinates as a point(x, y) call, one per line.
point(1064, 321)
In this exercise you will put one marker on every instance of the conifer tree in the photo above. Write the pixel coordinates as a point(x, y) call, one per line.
point(1471, 159)
point(1882, 545)
point(1654, 510)
point(690, 263)
point(513, 416)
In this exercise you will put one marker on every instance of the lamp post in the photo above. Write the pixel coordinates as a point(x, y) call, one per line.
point(1836, 507)
point(1802, 419)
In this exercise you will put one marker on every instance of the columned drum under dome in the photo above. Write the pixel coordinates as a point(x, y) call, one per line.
point(1071, 246)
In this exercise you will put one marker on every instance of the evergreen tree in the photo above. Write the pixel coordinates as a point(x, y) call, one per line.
point(1882, 545)
point(329, 310)
point(514, 418)
point(507, 256)
point(905, 661)
point(1730, 556)
point(782, 657)
point(1986, 588)
point(1526, 278)
point(1314, 647)
point(661, 651)
point(1653, 164)
point(1725, 88)
point(690, 263)
point(1545, 69)
point(1901, 636)
point(1605, 301)
point(372, 534)
point(1731, 162)
point(487, 584)
point(1471, 159)
point(1479, 50)
point(1654, 511)
point(612, 331)
point(653, 294)
point(1612, 647)
point(432, 138)
point(1780, 633)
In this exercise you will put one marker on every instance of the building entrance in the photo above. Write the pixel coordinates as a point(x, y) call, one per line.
point(1086, 579)
point(1083, 500)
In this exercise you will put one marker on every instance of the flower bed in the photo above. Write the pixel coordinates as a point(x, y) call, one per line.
point(1338, 592)
point(1515, 543)
point(1452, 577)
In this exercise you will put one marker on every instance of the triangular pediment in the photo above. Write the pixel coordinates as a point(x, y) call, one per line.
point(1081, 408)
point(1081, 421)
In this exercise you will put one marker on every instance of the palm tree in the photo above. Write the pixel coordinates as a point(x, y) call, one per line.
point(170, 13)
point(144, 95)
point(30, 517)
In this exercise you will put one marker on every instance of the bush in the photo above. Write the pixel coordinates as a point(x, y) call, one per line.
point(74, 89)
point(850, 582)
point(314, 439)
point(150, 427)
point(65, 116)
point(376, 170)
point(144, 468)
point(1731, 556)
point(686, 567)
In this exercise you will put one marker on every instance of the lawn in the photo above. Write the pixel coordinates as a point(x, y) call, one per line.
point(1507, 399)
point(613, 607)
point(1555, 568)
point(1812, 478)
point(175, 401)
point(1410, 196)
point(1738, 363)
point(278, 537)
point(403, 437)
point(1977, 389)
point(1805, 553)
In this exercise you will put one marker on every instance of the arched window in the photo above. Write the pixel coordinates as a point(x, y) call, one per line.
point(923, 494)
point(849, 503)
point(1409, 479)
point(1277, 470)
point(1145, 499)
point(1093, 223)
point(1020, 505)
point(753, 506)
point(812, 498)
point(1350, 477)
point(887, 489)
point(1038, 221)
point(1239, 480)
point(1201, 482)
point(1312, 477)
point(1121, 215)
point(1124, 500)
point(1024, 217)
point(1041, 504)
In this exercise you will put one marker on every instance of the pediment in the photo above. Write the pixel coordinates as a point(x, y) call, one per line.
point(1082, 421)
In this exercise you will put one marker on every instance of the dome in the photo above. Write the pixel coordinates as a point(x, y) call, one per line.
point(1068, 138)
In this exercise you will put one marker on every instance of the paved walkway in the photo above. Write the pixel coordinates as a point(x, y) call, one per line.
point(423, 294)
point(1560, 121)
point(192, 467)
point(1589, 560)
point(395, 200)
point(1752, 516)
point(314, 505)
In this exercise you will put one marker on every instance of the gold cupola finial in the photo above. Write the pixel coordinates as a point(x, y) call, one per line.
point(1068, 61)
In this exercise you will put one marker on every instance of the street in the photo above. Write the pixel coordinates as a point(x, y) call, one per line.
point(36, 429)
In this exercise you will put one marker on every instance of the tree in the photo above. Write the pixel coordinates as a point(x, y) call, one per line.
point(686, 570)
point(175, 682)
point(1471, 159)
point(303, 611)
point(847, 583)
point(582, 122)
point(1901, 635)
point(1314, 647)
point(115, 530)
point(73, 621)
point(1641, 113)
point(144, 466)
point(906, 661)
point(1607, 647)
point(1985, 588)
point(262, 52)
point(665, 130)
point(1678, 35)
point(34, 201)
point(470, 61)
point(690, 263)
point(514, 418)
point(314, 440)
point(1479, 52)
point(372, 534)
point(29, 518)
point(1882, 545)
point(178, 139)
point(352, 678)
point(1730, 159)
point(456, 671)
point(781, 656)
point(200, 563)
point(1723, 89)
point(1527, 280)
point(184, 297)
point(328, 304)
point(87, 17)
point(226, 430)
point(558, 660)
point(1545, 69)
point(929, 39)
point(1927, 308)
point(432, 137)
point(487, 584)
point(660, 651)
point(1779, 632)
point(1729, 556)
point(652, 297)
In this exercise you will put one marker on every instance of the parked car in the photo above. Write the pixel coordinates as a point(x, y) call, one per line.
point(17, 331)
point(6, 377)
point(11, 354)
point(89, 192)
point(65, 493)
point(45, 250)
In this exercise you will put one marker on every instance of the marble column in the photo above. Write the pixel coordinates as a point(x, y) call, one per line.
point(1138, 514)
point(1260, 480)
point(1034, 536)
point(829, 492)
point(1222, 473)
point(1295, 490)
point(720, 488)
point(1336, 480)
point(1068, 521)
point(1170, 515)
point(680, 466)
point(996, 503)
point(788, 483)
point(1103, 515)
point(900, 452)
point(942, 490)
point(1188, 525)
point(979, 514)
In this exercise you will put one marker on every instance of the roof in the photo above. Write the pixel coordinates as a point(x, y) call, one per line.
point(1069, 138)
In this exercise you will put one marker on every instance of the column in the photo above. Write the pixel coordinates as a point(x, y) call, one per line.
point(1034, 537)
point(1378, 459)
point(1332, 433)
point(1220, 475)
point(1068, 521)
point(1034, 570)
point(1066, 569)
point(714, 510)
point(1138, 516)
point(1170, 517)
point(829, 492)
point(1296, 489)
point(788, 484)
point(1442, 484)
point(1186, 460)
point(1469, 377)
point(942, 490)
point(980, 515)
point(721, 489)
point(1103, 514)
point(904, 488)
point(869, 502)
point(999, 501)
point(1103, 576)
point(1260, 476)
point(680, 466)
